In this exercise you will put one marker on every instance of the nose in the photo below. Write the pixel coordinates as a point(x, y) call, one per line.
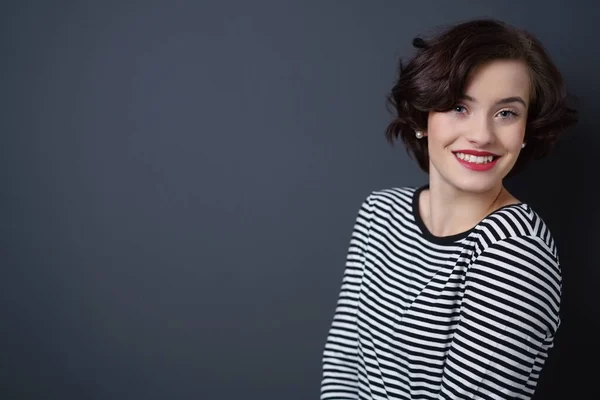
point(481, 132)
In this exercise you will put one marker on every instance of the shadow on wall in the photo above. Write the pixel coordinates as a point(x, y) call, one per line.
point(562, 189)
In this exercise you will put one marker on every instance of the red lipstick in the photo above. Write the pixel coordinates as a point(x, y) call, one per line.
point(474, 166)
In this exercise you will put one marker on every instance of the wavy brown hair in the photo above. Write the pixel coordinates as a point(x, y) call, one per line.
point(435, 79)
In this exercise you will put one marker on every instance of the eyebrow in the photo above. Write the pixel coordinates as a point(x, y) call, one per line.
point(514, 99)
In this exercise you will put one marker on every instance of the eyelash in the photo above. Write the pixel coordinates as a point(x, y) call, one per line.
point(512, 112)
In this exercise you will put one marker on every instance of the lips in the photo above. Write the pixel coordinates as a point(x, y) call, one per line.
point(476, 160)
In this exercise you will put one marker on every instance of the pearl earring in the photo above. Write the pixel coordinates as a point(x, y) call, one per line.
point(523, 145)
point(419, 134)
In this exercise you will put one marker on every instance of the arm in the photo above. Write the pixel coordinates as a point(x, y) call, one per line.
point(340, 356)
point(509, 316)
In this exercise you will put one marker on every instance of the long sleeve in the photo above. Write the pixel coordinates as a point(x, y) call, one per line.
point(508, 318)
point(340, 356)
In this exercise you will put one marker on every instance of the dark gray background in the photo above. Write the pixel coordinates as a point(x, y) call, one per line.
point(180, 179)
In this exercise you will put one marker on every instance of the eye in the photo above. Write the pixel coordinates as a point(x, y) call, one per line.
point(459, 109)
point(507, 114)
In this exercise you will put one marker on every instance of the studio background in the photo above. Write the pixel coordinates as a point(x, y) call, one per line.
point(179, 181)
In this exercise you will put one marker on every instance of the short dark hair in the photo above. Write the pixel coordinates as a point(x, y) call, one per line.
point(435, 79)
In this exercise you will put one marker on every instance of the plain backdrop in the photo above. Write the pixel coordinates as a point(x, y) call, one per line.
point(179, 181)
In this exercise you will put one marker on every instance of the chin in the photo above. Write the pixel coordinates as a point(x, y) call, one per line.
point(477, 184)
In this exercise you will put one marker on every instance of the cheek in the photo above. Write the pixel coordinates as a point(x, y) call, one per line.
point(512, 137)
point(440, 128)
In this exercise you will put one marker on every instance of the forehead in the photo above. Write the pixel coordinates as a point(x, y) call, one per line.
point(499, 79)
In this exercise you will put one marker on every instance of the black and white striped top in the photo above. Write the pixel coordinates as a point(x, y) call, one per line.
point(468, 316)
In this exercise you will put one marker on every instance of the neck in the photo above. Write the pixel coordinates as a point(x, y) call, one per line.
point(449, 211)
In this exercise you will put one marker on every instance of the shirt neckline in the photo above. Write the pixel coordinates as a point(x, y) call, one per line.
point(450, 239)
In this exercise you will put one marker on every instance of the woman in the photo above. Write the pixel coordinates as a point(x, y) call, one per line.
point(452, 290)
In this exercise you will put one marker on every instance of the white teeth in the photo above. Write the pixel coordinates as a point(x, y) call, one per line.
point(475, 159)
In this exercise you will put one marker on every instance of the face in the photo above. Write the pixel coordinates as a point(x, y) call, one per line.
point(487, 124)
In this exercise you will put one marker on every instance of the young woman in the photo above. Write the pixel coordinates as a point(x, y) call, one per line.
point(452, 290)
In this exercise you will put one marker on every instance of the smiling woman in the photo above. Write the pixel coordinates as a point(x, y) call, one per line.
point(452, 289)
point(489, 120)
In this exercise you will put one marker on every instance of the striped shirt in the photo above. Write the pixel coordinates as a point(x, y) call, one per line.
point(467, 316)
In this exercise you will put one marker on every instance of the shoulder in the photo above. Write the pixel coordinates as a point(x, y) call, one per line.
point(523, 255)
point(514, 242)
point(390, 204)
point(515, 258)
point(386, 206)
point(523, 273)
point(517, 224)
point(384, 198)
